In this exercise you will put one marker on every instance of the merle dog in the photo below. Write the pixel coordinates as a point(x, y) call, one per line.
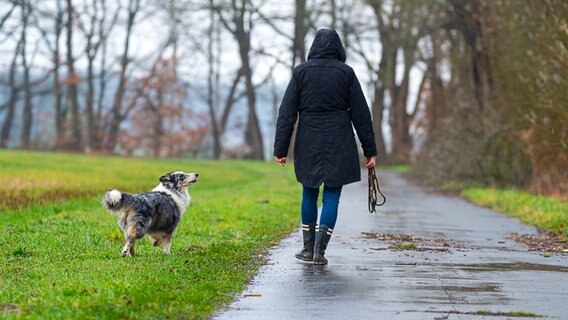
point(156, 213)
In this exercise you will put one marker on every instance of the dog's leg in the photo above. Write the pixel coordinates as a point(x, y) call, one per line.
point(167, 242)
point(154, 240)
point(132, 253)
point(128, 247)
point(131, 235)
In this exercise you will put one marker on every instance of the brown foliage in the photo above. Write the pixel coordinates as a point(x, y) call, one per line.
point(506, 114)
point(160, 121)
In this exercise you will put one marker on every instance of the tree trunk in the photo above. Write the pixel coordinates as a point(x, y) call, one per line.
point(300, 29)
point(60, 112)
point(377, 109)
point(27, 112)
point(11, 105)
point(230, 101)
point(158, 124)
point(437, 102)
point(89, 104)
point(91, 50)
point(241, 33)
point(72, 82)
point(101, 97)
point(333, 13)
point(399, 119)
point(102, 76)
point(211, 101)
point(253, 136)
point(117, 117)
point(298, 53)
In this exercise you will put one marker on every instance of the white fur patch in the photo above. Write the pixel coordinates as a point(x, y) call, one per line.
point(113, 197)
point(182, 200)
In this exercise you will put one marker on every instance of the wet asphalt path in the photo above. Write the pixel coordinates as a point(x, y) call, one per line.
point(467, 265)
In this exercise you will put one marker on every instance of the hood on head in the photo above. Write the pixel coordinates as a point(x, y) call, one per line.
point(327, 45)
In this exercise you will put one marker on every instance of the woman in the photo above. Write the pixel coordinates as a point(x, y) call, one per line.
point(327, 96)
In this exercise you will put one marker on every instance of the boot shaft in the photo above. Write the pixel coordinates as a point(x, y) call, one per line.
point(323, 235)
point(309, 235)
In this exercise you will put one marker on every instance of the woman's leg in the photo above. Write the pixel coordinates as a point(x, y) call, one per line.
point(309, 205)
point(327, 223)
point(309, 218)
point(330, 204)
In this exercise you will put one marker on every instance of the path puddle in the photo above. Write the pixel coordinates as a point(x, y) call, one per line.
point(520, 266)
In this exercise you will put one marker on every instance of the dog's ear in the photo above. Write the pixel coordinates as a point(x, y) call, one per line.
point(167, 178)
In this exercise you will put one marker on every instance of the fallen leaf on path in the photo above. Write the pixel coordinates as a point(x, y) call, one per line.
point(543, 242)
point(253, 294)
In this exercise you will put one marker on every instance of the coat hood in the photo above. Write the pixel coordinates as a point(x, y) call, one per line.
point(327, 45)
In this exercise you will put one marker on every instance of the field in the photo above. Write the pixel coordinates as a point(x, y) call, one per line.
point(60, 250)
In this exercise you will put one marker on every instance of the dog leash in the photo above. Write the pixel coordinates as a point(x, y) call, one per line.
point(374, 191)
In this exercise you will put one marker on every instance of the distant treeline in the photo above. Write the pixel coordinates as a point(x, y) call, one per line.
point(467, 90)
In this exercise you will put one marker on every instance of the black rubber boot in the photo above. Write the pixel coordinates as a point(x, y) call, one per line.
point(309, 234)
point(323, 234)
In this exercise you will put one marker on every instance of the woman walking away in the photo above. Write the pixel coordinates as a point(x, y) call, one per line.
point(327, 96)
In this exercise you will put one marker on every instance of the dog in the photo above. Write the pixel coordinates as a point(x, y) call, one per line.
point(155, 213)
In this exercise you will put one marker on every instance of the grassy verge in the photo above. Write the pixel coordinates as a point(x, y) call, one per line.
point(396, 168)
point(59, 249)
point(547, 213)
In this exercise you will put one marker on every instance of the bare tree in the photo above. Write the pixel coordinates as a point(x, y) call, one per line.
point(72, 81)
point(400, 26)
point(240, 23)
point(219, 111)
point(91, 50)
point(104, 31)
point(96, 30)
point(117, 113)
point(51, 38)
point(212, 84)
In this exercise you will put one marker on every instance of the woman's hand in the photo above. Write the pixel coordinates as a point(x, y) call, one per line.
point(370, 162)
point(282, 160)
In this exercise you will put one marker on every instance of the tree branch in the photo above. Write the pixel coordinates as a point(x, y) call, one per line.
point(8, 14)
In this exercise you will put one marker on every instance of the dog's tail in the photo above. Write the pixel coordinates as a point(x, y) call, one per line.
point(115, 200)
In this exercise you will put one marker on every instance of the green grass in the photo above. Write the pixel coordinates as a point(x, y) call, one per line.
point(396, 168)
point(403, 246)
point(60, 250)
point(547, 213)
point(519, 314)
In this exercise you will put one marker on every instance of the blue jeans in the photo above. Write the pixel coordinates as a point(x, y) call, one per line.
point(329, 209)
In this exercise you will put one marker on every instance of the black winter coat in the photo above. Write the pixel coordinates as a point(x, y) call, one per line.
point(327, 96)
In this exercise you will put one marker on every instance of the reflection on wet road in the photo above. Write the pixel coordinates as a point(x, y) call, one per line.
point(461, 265)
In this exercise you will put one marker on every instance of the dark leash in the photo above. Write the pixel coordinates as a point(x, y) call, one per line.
point(374, 191)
